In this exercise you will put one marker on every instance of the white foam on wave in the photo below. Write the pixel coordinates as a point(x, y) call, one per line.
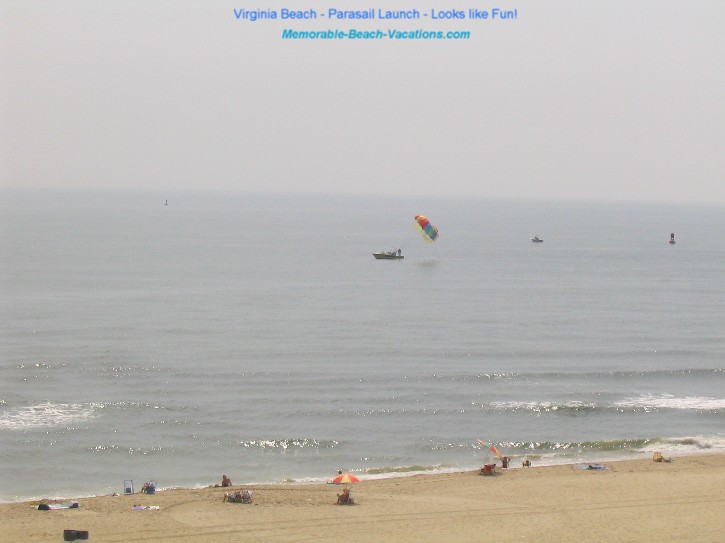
point(688, 445)
point(46, 414)
point(543, 406)
point(668, 401)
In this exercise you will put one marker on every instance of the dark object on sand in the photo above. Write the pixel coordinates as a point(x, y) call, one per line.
point(72, 535)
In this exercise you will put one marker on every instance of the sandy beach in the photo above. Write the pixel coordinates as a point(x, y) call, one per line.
point(636, 501)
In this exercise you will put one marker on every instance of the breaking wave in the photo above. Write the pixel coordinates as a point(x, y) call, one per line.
point(288, 444)
point(544, 407)
point(391, 470)
point(46, 414)
point(130, 450)
point(643, 403)
point(668, 401)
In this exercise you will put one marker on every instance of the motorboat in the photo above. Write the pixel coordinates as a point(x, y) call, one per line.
point(537, 239)
point(389, 255)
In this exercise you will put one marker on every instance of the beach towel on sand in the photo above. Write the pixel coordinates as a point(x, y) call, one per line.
point(592, 466)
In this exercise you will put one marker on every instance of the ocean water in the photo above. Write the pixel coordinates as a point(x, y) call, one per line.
point(256, 336)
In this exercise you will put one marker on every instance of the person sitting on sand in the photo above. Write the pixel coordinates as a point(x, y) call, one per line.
point(226, 481)
point(344, 498)
point(148, 487)
point(243, 496)
point(232, 496)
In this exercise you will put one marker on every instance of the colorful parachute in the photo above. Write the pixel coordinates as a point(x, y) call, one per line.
point(430, 232)
point(492, 448)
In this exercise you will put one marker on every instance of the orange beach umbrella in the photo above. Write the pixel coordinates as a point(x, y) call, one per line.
point(345, 478)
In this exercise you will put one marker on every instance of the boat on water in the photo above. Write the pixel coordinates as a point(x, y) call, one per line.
point(672, 239)
point(389, 255)
point(537, 239)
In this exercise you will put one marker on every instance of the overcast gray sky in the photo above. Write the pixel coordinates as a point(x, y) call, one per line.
point(604, 100)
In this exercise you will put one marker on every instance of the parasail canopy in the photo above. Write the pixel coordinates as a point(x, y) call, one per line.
point(429, 232)
point(492, 448)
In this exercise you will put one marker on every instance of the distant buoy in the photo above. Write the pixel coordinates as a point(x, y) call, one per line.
point(167, 203)
point(672, 239)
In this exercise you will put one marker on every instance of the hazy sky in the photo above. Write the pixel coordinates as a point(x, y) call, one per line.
point(606, 100)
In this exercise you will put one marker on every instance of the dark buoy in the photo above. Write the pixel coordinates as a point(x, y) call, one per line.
point(672, 239)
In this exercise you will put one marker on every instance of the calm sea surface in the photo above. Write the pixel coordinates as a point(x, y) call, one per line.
point(256, 336)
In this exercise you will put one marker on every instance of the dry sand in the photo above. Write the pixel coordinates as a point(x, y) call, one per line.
point(634, 501)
